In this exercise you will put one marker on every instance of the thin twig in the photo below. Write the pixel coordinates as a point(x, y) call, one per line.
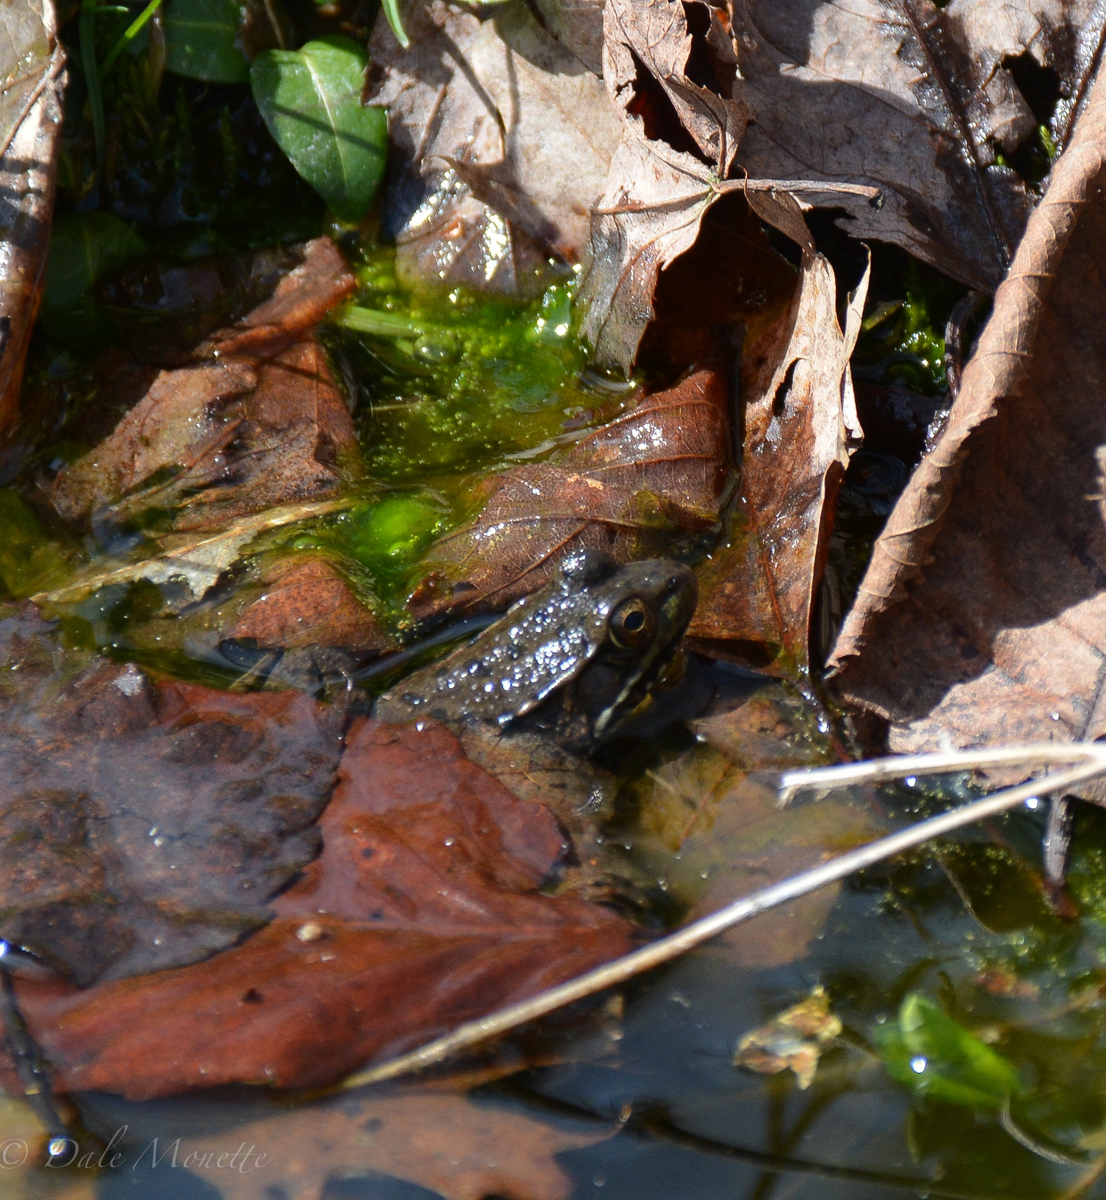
point(30, 1067)
point(1091, 759)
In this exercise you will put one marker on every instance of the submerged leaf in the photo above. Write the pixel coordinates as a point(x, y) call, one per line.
point(456, 1146)
point(307, 602)
point(629, 487)
point(709, 822)
point(931, 1053)
point(422, 912)
point(145, 824)
point(311, 101)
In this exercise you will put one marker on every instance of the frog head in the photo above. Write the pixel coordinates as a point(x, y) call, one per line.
point(573, 661)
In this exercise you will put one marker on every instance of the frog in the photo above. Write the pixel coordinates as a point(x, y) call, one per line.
point(565, 670)
point(575, 662)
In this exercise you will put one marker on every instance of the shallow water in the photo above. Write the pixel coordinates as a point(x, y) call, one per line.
point(637, 1096)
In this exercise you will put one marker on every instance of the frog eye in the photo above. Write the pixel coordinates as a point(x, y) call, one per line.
point(631, 624)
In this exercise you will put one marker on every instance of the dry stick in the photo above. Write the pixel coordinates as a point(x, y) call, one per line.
point(825, 779)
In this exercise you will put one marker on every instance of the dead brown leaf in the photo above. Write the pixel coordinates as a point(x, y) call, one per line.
point(577, 25)
point(144, 824)
point(982, 618)
point(794, 1039)
point(32, 79)
point(656, 472)
point(500, 140)
point(710, 823)
point(457, 1148)
point(919, 99)
point(421, 913)
point(307, 602)
point(757, 591)
point(678, 141)
point(256, 422)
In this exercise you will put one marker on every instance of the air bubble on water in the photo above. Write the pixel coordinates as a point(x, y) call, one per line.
point(918, 1064)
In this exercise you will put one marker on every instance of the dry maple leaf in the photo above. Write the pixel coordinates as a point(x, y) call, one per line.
point(757, 592)
point(657, 471)
point(256, 422)
point(982, 617)
point(921, 100)
point(31, 83)
point(146, 824)
point(500, 143)
point(422, 912)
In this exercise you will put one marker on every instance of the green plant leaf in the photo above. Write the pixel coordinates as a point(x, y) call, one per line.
point(311, 102)
point(200, 40)
point(83, 248)
point(930, 1053)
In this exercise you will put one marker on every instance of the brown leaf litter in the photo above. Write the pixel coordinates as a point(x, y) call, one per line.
point(656, 472)
point(255, 422)
point(499, 143)
point(921, 100)
point(982, 617)
point(421, 912)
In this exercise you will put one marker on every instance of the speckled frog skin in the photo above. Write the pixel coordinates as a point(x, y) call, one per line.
point(572, 662)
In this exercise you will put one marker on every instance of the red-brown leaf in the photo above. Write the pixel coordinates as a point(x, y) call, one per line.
point(256, 422)
point(422, 912)
point(307, 602)
point(656, 473)
point(757, 592)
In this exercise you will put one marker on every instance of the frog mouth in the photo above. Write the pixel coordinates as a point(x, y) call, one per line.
point(674, 610)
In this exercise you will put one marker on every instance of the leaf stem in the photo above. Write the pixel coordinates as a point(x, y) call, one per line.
point(391, 11)
point(385, 324)
point(86, 27)
point(129, 34)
